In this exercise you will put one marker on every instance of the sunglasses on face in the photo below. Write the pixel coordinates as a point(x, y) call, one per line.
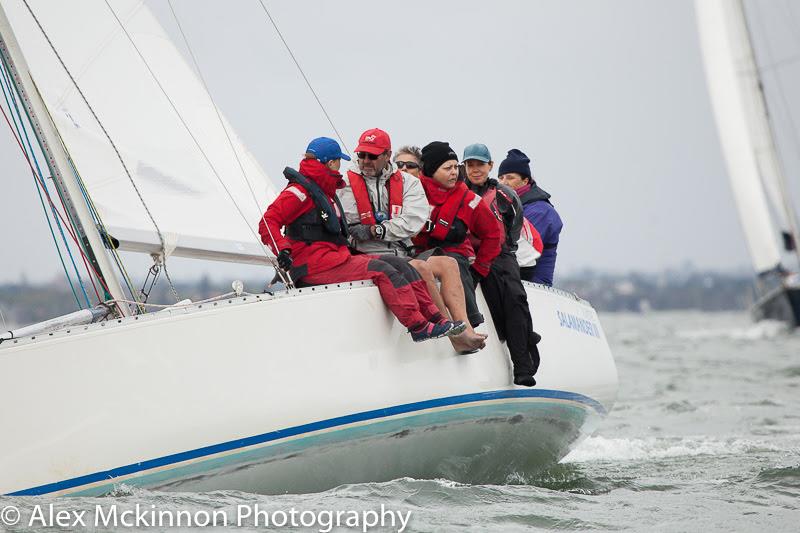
point(406, 164)
point(365, 155)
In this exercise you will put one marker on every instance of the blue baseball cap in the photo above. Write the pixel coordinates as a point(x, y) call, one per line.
point(477, 151)
point(326, 149)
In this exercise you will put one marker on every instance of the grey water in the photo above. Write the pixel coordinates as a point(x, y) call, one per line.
point(705, 436)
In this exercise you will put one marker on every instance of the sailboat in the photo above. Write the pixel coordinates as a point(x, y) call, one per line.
point(296, 390)
point(748, 143)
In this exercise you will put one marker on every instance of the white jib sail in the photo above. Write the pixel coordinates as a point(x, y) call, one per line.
point(741, 122)
point(187, 198)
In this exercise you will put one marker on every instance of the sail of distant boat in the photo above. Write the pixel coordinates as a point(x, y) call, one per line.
point(748, 143)
point(746, 135)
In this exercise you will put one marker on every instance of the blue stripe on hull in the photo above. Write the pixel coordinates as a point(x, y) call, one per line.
point(460, 401)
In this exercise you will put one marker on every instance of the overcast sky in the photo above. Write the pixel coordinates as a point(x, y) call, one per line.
point(607, 97)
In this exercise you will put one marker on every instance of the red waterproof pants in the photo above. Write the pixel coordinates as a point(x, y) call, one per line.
point(395, 289)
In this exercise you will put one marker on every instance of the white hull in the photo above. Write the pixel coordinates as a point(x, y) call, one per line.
point(291, 392)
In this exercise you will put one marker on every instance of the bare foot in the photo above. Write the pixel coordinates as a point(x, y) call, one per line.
point(469, 341)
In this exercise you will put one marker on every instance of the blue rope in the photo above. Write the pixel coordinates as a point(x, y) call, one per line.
point(98, 222)
point(19, 124)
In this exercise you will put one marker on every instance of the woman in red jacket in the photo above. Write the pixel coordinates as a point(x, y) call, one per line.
point(315, 251)
point(455, 212)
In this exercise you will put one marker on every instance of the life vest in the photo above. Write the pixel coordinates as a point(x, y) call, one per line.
point(488, 191)
point(445, 228)
point(324, 222)
point(366, 211)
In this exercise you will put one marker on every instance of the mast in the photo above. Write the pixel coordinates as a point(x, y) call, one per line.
point(58, 162)
point(773, 161)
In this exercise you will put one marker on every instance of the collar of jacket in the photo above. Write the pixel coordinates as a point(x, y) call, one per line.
point(327, 179)
point(437, 195)
point(384, 175)
point(533, 194)
point(480, 190)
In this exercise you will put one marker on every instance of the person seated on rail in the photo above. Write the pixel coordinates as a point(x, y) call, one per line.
point(384, 208)
point(502, 287)
point(314, 249)
point(515, 171)
point(455, 212)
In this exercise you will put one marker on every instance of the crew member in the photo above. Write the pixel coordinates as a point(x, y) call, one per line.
point(409, 159)
point(456, 211)
point(515, 171)
point(502, 287)
point(315, 250)
point(384, 208)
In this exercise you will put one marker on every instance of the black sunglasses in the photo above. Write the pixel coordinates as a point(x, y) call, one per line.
point(365, 155)
point(406, 164)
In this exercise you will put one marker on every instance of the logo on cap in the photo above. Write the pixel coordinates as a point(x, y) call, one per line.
point(369, 139)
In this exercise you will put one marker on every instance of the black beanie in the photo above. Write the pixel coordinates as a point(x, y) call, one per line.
point(434, 155)
point(515, 161)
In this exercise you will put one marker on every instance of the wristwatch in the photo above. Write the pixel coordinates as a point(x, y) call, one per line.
point(379, 230)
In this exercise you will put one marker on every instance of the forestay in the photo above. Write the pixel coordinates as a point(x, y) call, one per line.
point(184, 190)
point(742, 124)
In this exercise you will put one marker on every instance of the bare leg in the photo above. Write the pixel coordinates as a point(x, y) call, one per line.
point(427, 275)
point(452, 292)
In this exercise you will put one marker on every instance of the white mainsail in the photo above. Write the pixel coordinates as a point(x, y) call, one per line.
point(203, 204)
point(744, 130)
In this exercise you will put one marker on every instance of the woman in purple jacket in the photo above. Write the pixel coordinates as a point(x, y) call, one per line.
point(515, 171)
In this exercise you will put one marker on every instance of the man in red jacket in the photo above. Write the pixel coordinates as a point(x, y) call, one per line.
point(315, 251)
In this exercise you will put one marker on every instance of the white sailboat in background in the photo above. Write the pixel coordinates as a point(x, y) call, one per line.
point(238, 391)
point(757, 177)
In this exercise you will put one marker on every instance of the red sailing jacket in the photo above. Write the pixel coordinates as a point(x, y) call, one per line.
point(293, 202)
point(366, 213)
point(456, 211)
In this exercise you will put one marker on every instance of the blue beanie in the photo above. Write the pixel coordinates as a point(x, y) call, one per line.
point(515, 161)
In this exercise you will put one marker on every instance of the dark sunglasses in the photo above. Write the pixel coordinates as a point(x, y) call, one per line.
point(406, 164)
point(365, 155)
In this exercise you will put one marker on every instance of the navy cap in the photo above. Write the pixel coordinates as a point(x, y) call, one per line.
point(515, 161)
point(326, 149)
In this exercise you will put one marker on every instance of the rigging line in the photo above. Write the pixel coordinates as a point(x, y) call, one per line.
point(302, 73)
point(185, 125)
point(230, 143)
point(99, 221)
point(52, 205)
point(69, 223)
point(787, 204)
point(84, 257)
point(41, 183)
point(7, 86)
point(791, 60)
point(791, 20)
point(102, 127)
point(70, 229)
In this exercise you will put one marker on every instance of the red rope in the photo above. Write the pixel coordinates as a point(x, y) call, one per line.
point(89, 268)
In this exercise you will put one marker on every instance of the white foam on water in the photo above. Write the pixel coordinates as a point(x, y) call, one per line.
point(765, 329)
point(603, 449)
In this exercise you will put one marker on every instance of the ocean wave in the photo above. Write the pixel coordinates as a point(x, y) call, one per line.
point(765, 329)
point(605, 449)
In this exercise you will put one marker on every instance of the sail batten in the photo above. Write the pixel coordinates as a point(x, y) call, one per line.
point(190, 180)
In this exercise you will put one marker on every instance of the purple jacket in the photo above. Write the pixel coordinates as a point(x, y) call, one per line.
point(544, 217)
